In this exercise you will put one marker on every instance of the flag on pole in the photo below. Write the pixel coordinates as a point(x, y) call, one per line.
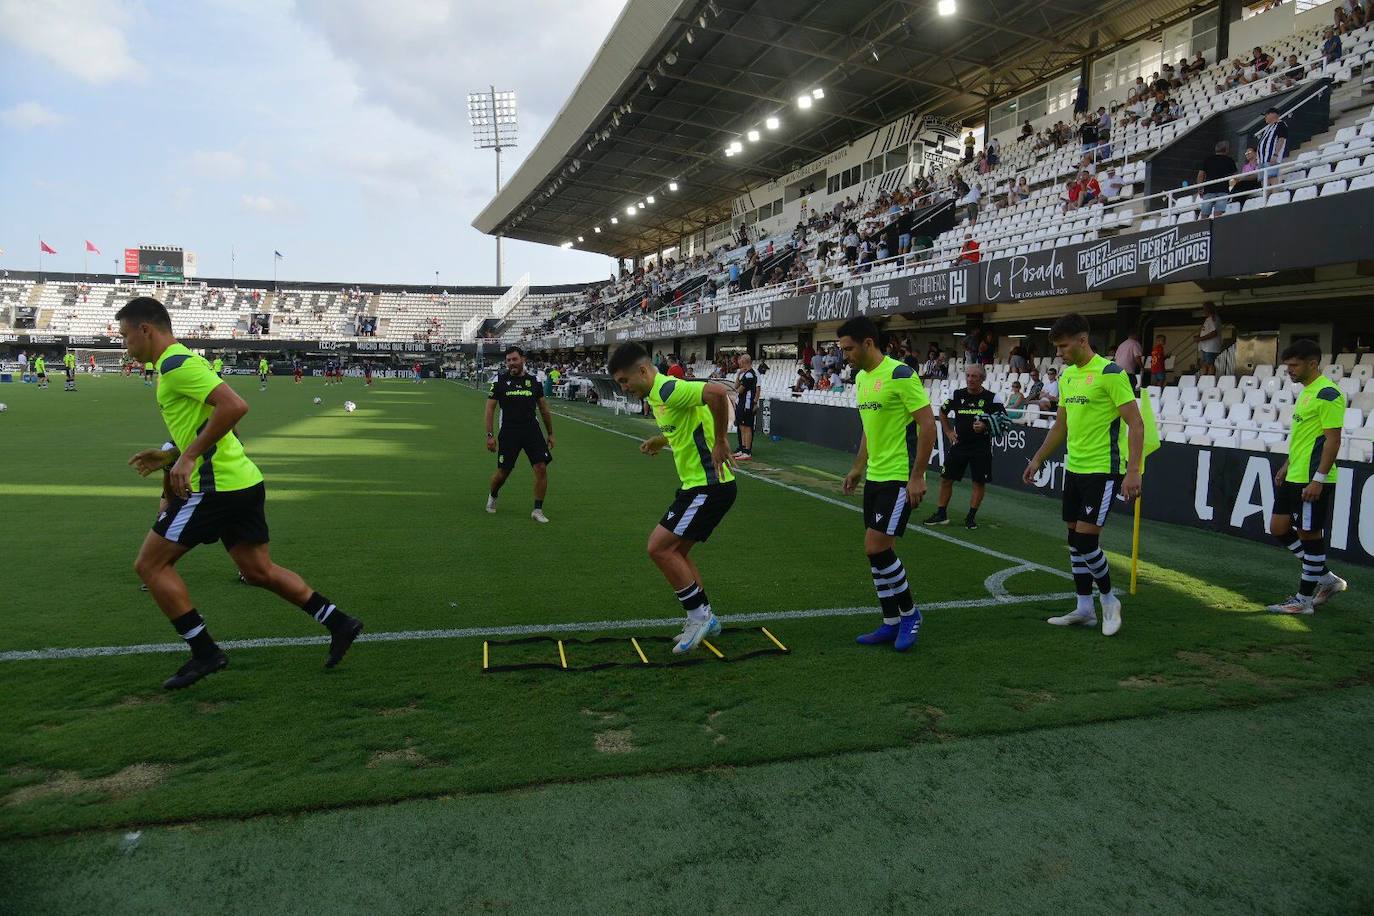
point(90, 246)
point(278, 255)
point(45, 248)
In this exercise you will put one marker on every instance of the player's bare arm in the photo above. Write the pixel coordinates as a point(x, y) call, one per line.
point(490, 421)
point(1135, 448)
point(653, 445)
point(1058, 433)
point(856, 470)
point(1313, 491)
point(718, 402)
point(151, 460)
point(547, 416)
point(228, 410)
point(925, 441)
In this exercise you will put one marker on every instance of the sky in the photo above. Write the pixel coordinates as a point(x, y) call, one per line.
point(333, 131)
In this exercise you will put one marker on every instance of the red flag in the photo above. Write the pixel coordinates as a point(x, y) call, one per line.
point(45, 248)
point(90, 246)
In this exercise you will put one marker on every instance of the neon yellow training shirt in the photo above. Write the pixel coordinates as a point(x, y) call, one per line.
point(217, 365)
point(1320, 407)
point(186, 380)
point(1091, 396)
point(262, 367)
point(69, 361)
point(684, 419)
point(887, 397)
point(39, 365)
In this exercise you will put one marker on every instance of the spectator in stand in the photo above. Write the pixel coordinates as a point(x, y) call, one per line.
point(969, 144)
point(1016, 401)
point(1272, 145)
point(1212, 174)
point(1261, 61)
point(1331, 47)
point(994, 153)
point(1023, 191)
point(1112, 186)
point(817, 362)
point(1090, 190)
point(808, 351)
point(836, 380)
point(1037, 387)
point(1049, 393)
point(1247, 181)
point(1157, 361)
point(1087, 135)
point(1209, 339)
point(1018, 359)
point(1294, 72)
point(1073, 193)
point(824, 383)
point(675, 367)
point(851, 245)
point(969, 253)
point(970, 200)
point(805, 380)
point(1026, 132)
point(1129, 354)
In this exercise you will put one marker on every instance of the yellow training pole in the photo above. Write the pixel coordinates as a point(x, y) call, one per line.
point(1135, 546)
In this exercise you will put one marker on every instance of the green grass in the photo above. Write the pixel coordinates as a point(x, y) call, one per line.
point(382, 511)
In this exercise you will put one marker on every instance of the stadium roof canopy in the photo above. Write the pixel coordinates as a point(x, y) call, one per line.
point(677, 81)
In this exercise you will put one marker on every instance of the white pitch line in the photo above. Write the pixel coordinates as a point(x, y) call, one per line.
point(590, 626)
point(940, 536)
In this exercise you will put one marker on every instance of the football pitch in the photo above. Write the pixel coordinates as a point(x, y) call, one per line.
point(1209, 756)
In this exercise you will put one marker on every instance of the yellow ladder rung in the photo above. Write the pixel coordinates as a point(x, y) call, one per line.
point(640, 652)
point(712, 648)
point(485, 657)
point(562, 657)
point(773, 638)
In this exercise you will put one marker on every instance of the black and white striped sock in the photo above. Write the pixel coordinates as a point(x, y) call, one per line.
point(324, 611)
point(1096, 562)
point(889, 581)
point(192, 628)
point(1313, 567)
point(693, 599)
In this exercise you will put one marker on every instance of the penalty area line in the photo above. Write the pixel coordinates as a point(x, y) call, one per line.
point(1023, 564)
point(30, 655)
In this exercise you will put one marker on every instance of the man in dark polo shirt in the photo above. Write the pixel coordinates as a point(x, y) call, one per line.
point(966, 417)
point(519, 395)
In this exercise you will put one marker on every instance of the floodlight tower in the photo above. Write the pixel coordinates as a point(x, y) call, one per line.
point(492, 115)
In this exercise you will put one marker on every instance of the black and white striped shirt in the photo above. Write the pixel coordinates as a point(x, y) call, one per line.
point(1269, 137)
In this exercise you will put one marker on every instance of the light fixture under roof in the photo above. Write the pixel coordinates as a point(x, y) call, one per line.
point(566, 245)
point(753, 136)
point(736, 147)
point(672, 186)
point(818, 93)
point(729, 151)
point(596, 229)
point(641, 205)
point(803, 101)
point(630, 211)
point(771, 123)
point(580, 239)
point(945, 7)
point(615, 221)
point(650, 198)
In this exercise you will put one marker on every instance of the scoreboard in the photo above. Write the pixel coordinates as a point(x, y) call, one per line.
point(160, 262)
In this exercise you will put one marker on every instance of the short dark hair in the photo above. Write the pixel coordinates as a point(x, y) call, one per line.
point(1071, 325)
point(1304, 349)
point(145, 310)
point(513, 349)
point(861, 328)
point(626, 356)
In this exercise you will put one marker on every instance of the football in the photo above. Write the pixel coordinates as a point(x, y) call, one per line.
point(350, 406)
point(319, 400)
point(4, 407)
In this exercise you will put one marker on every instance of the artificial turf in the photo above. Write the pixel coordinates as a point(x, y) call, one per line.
point(382, 511)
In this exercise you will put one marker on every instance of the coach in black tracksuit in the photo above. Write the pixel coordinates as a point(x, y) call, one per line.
point(520, 396)
point(970, 444)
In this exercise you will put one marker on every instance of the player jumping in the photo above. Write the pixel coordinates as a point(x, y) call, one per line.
point(518, 394)
point(693, 418)
point(1304, 483)
point(898, 433)
point(1096, 397)
point(217, 494)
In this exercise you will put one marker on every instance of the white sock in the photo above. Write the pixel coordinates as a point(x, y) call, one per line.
point(701, 614)
point(1085, 604)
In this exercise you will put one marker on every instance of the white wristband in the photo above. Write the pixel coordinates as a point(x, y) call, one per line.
point(1319, 477)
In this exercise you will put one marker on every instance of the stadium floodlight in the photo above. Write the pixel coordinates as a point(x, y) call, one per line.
point(566, 245)
point(596, 229)
point(650, 198)
point(945, 7)
point(630, 211)
point(641, 205)
point(615, 221)
point(729, 152)
point(494, 118)
point(736, 147)
point(771, 123)
point(818, 94)
point(803, 102)
point(672, 186)
point(580, 240)
point(753, 136)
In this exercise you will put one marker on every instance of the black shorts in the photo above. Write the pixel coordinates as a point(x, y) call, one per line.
point(228, 516)
point(886, 507)
point(744, 417)
point(147, 373)
point(1088, 497)
point(512, 440)
point(696, 512)
point(71, 375)
point(957, 461)
point(1314, 516)
point(42, 375)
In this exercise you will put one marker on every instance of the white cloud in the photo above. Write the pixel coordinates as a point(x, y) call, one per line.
point(259, 203)
point(221, 164)
point(26, 115)
point(82, 37)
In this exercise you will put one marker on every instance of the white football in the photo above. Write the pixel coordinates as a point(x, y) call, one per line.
point(319, 400)
point(350, 406)
point(4, 407)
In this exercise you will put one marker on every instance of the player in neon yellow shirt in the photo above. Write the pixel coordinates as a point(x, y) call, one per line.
point(218, 366)
point(692, 419)
point(1096, 399)
point(1303, 485)
point(215, 493)
point(149, 373)
point(898, 432)
point(69, 364)
point(263, 371)
point(40, 369)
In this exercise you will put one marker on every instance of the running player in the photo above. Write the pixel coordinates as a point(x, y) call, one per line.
point(92, 369)
point(419, 373)
point(217, 494)
point(40, 369)
point(898, 433)
point(1096, 397)
point(518, 394)
point(367, 373)
point(263, 369)
point(218, 366)
point(970, 444)
point(1303, 485)
point(693, 418)
point(296, 372)
point(69, 364)
point(747, 387)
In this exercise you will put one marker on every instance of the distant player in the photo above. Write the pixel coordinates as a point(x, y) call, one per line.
point(693, 419)
point(898, 434)
point(217, 494)
point(148, 374)
point(128, 368)
point(218, 366)
point(1305, 482)
point(40, 369)
point(263, 370)
point(367, 373)
point(69, 364)
point(1096, 398)
point(296, 373)
point(747, 388)
point(967, 419)
point(519, 395)
point(419, 374)
point(92, 369)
